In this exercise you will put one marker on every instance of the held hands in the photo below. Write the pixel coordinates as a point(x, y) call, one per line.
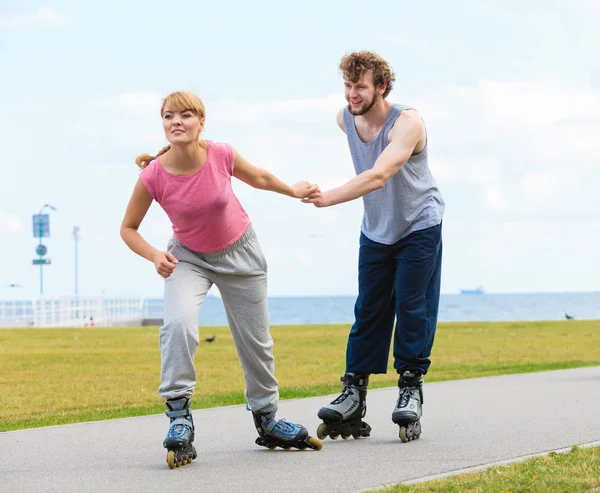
point(165, 263)
point(303, 189)
point(316, 198)
point(309, 193)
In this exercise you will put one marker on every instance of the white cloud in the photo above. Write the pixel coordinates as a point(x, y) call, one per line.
point(292, 157)
point(442, 169)
point(514, 148)
point(573, 141)
point(484, 171)
point(10, 222)
point(536, 103)
point(140, 103)
point(301, 109)
point(495, 198)
point(130, 120)
point(37, 18)
point(588, 7)
point(539, 113)
point(138, 123)
point(541, 186)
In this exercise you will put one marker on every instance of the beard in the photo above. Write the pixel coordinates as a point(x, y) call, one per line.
point(365, 107)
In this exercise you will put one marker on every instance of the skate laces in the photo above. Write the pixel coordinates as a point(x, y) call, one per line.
point(347, 392)
point(404, 398)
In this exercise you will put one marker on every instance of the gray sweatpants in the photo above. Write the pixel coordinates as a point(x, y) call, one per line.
point(240, 273)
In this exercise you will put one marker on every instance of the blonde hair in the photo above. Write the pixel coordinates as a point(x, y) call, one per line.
point(176, 101)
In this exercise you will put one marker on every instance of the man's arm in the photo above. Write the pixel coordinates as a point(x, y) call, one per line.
point(404, 136)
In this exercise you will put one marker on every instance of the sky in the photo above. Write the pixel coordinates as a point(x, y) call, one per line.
point(509, 91)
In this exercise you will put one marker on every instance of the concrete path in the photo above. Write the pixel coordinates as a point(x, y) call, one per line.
point(466, 423)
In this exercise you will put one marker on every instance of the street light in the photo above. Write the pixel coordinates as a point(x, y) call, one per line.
point(76, 230)
point(41, 229)
point(51, 207)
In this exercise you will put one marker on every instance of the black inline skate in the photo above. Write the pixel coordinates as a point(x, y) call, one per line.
point(178, 442)
point(278, 432)
point(343, 416)
point(408, 411)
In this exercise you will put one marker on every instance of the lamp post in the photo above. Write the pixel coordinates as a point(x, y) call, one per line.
point(76, 230)
point(41, 229)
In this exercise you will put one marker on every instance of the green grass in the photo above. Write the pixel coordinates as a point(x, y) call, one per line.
point(59, 376)
point(577, 471)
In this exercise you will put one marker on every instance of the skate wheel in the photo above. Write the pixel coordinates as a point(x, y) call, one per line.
point(407, 434)
point(272, 447)
point(402, 434)
point(171, 459)
point(334, 437)
point(345, 437)
point(287, 448)
point(356, 436)
point(314, 443)
point(322, 431)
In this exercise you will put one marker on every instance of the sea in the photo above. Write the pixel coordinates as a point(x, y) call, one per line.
point(473, 307)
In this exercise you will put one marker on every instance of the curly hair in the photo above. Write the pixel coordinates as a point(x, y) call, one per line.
point(354, 64)
point(176, 101)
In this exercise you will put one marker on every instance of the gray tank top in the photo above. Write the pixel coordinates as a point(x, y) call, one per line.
point(409, 201)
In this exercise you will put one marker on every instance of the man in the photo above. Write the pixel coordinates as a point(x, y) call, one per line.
point(400, 248)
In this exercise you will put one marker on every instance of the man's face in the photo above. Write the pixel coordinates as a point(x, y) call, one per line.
point(361, 95)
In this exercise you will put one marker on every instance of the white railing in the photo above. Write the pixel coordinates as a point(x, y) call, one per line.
point(72, 311)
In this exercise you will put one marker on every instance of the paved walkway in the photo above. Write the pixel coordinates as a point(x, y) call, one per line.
point(467, 423)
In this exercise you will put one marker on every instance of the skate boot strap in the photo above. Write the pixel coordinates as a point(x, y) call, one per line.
point(358, 380)
point(181, 421)
point(410, 379)
point(179, 413)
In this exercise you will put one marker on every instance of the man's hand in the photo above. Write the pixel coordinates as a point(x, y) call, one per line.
point(318, 199)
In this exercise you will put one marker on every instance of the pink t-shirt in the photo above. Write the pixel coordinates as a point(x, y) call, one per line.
point(205, 213)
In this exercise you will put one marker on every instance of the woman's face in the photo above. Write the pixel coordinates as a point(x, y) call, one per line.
point(182, 127)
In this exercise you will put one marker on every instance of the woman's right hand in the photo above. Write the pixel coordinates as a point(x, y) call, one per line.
point(165, 263)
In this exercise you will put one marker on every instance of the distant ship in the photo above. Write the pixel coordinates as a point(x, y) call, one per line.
point(477, 290)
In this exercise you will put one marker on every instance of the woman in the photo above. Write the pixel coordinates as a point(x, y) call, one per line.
point(213, 243)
